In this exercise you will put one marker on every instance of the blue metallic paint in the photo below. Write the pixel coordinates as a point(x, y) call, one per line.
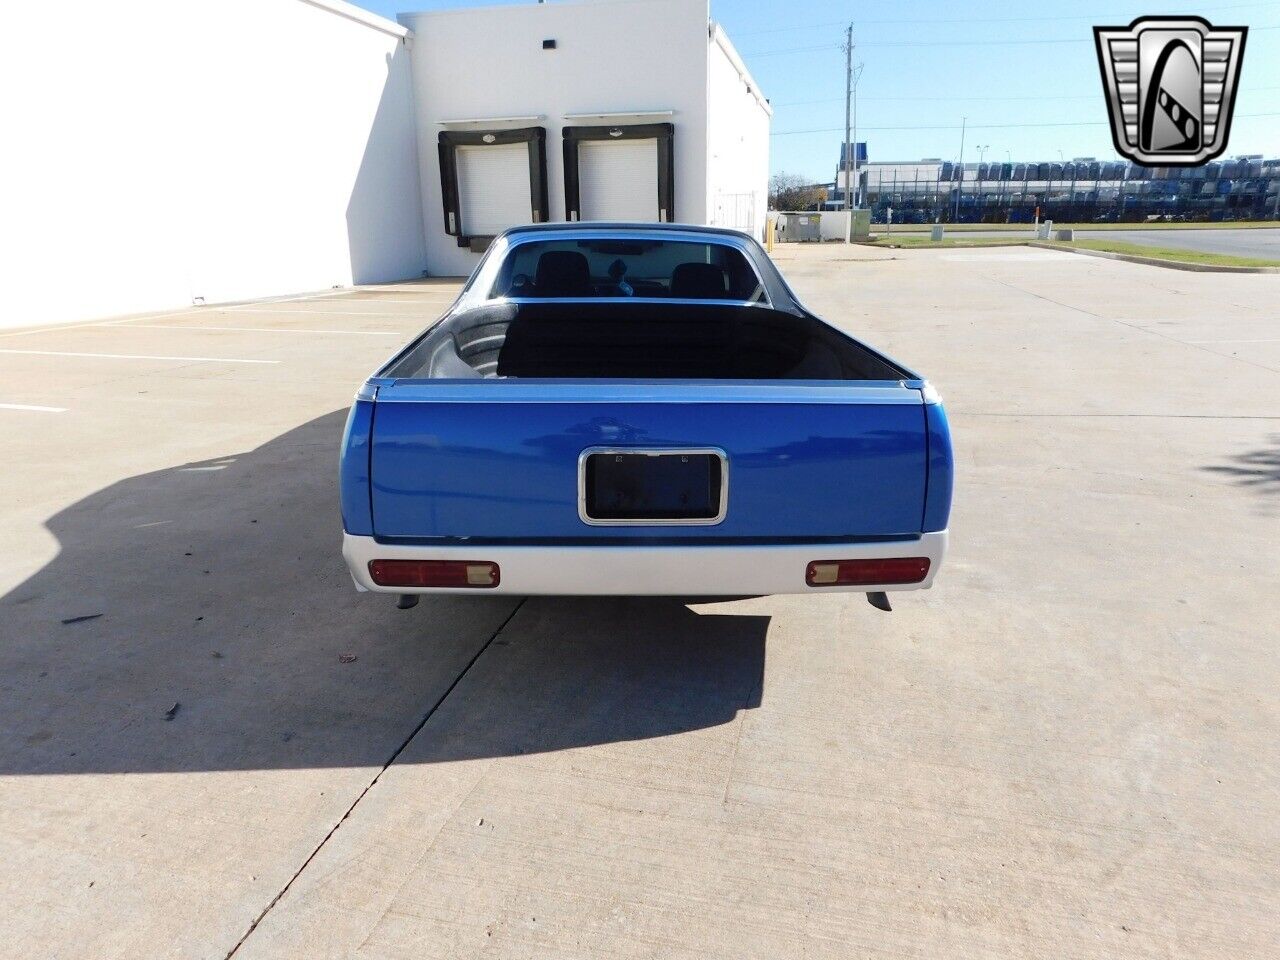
point(353, 470)
point(499, 460)
point(937, 504)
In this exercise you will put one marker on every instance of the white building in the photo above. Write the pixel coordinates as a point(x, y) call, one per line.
point(592, 110)
point(213, 150)
point(161, 154)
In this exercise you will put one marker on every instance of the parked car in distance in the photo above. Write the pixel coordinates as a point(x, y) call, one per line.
point(641, 409)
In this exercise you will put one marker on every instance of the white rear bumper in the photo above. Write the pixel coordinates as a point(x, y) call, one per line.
point(705, 571)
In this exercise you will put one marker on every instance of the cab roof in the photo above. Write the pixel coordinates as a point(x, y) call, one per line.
point(604, 226)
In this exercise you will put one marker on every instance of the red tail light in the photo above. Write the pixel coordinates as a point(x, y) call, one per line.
point(477, 574)
point(835, 573)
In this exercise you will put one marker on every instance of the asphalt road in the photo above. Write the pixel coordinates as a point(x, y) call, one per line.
point(214, 747)
point(1237, 243)
point(1263, 242)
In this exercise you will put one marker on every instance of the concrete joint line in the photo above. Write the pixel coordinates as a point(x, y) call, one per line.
point(757, 688)
point(395, 755)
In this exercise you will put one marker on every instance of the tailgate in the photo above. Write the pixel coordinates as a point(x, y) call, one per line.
point(500, 460)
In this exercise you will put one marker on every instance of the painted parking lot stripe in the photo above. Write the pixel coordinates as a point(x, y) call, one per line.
point(426, 298)
point(201, 326)
point(126, 321)
point(48, 328)
point(1043, 256)
point(344, 313)
point(133, 356)
point(1265, 340)
point(34, 408)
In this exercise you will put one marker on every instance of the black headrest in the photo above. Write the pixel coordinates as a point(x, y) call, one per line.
point(699, 281)
point(562, 273)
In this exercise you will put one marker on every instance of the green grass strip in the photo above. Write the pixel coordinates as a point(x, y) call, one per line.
point(1030, 228)
point(1167, 253)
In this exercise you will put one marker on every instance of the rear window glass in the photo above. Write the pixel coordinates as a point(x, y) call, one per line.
point(613, 267)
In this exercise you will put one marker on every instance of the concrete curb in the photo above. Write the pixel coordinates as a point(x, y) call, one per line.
point(954, 228)
point(1150, 261)
point(962, 245)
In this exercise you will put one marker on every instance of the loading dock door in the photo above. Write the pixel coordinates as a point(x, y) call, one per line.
point(618, 179)
point(624, 172)
point(491, 180)
point(494, 191)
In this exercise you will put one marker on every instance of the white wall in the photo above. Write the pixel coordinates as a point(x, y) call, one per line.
point(159, 152)
point(610, 56)
point(738, 142)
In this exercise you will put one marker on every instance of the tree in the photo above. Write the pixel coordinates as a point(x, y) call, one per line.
point(788, 191)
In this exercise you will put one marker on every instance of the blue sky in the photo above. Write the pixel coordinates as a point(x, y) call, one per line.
point(1008, 67)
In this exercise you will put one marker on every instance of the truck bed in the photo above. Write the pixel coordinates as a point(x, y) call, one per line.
point(644, 340)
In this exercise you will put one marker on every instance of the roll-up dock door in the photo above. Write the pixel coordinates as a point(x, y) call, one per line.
point(618, 180)
point(620, 173)
point(492, 180)
point(493, 188)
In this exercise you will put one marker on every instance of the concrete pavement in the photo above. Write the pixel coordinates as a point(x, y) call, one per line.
point(1263, 243)
point(1065, 748)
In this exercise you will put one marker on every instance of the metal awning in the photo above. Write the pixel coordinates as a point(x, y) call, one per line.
point(619, 115)
point(491, 121)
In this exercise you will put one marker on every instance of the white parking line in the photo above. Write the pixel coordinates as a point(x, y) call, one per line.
point(189, 312)
point(1269, 339)
point(134, 356)
point(201, 326)
point(32, 407)
point(345, 313)
point(55, 327)
point(1041, 256)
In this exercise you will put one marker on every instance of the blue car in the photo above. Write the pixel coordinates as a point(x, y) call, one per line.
point(641, 409)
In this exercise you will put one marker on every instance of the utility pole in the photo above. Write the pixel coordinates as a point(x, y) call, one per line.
point(1124, 186)
point(979, 197)
point(960, 189)
point(848, 100)
point(857, 180)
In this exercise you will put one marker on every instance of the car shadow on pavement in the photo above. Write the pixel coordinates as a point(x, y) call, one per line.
point(200, 618)
point(574, 671)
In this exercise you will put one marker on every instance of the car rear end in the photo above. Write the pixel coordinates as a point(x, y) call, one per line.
point(520, 479)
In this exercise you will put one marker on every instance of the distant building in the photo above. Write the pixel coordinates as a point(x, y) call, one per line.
point(1083, 189)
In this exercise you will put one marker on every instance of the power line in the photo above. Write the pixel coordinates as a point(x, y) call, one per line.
point(752, 54)
point(774, 53)
point(976, 43)
point(802, 103)
point(949, 126)
point(943, 43)
point(988, 126)
point(927, 20)
point(939, 99)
